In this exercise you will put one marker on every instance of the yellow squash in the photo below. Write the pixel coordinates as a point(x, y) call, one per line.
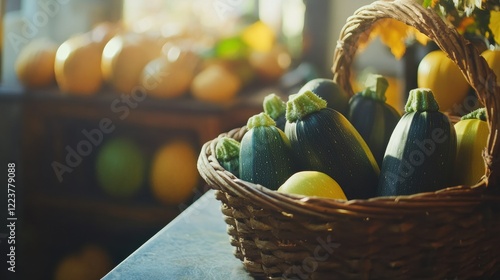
point(312, 183)
point(472, 135)
point(439, 73)
point(492, 57)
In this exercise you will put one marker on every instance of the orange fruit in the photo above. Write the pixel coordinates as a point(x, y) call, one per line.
point(124, 58)
point(170, 75)
point(34, 65)
point(270, 65)
point(174, 175)
point(216, 84)
point(78, 65)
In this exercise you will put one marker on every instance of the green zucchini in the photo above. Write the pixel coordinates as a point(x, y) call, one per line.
point(324, 140)
point(265, 153)
point(421, 151)
point(335, 97)
point(275, 107)
point(372, 117)
point(227, 152)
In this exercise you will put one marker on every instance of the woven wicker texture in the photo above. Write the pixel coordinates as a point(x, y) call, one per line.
point(449, 234)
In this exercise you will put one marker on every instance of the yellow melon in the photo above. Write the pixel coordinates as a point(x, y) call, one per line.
point(270, 65)
point(123, 59)
point(170, 75)
point(78, 65)
point(174, 175)
point(34, 65)
point(216, 84)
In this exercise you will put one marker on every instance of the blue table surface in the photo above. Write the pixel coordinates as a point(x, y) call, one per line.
point(194, 245)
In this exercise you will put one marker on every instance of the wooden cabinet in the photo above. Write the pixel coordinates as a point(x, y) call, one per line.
point(62, 211)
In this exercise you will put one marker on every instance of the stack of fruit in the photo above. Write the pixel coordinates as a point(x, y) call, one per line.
point(161, 66)
point(358, 147)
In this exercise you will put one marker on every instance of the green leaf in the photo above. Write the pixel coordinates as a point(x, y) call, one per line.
point(427, 3)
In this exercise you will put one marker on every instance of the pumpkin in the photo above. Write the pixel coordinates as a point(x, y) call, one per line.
point(440, 74)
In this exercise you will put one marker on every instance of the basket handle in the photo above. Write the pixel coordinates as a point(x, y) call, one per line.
point(475, 69)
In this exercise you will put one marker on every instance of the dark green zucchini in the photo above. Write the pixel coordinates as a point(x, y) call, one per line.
point(335, 97)
point(372, 117)
point(324, 140)
point(275, 107)
point(421, 151)
point(227, 152)
point(265, 153)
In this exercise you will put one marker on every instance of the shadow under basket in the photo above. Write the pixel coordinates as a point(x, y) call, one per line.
point(453, 233)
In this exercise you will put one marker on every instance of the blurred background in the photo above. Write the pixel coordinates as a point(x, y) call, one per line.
point(104, 106)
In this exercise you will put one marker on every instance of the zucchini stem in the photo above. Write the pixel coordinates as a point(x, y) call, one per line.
point(261, 119)
point(303, 104)
point(421, 100)
point(227, 149)
point(274, 106)
point(375, 87)
point(479, 114)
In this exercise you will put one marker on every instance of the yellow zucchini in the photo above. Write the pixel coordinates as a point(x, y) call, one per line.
point(472, 134)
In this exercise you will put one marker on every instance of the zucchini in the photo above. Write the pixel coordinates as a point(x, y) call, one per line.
point(324, 140)
point(227, 152)
point(421, 151)
point(472, 133)
point(265, 153)
point(372, 117)
point(335, 97)
point(275, 107)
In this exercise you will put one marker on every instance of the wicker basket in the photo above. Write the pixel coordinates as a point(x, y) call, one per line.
point(449, 234)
